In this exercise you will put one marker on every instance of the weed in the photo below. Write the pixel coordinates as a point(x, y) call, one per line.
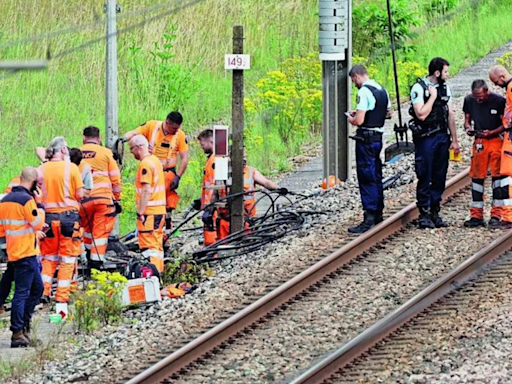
point(184, 269)
point(100, 303)
point(506, 61)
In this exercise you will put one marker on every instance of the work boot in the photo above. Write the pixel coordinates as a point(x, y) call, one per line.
point(26, 333)
point(368, 223)
point(494, 223)
point(425, 221)
point(436, 219)
point(19, 340)
point(474, 222)
point(379, 217)
point(505, 225)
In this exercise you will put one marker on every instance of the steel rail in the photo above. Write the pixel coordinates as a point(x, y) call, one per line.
point(266, 304)
point(335, 361)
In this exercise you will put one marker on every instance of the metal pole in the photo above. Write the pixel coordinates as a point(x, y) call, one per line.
point(237, 146)
point(395, 72)
point(111, 108)
point(23, 65)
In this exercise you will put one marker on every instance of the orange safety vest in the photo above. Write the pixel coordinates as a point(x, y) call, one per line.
point(105, 171)
point(14, 183)
point(249, 186)
point(61, 180)
point(249, 199)
point(164, 147)
point(150, 172)
point(507, 115)
point(208, 181)
point(19, 220)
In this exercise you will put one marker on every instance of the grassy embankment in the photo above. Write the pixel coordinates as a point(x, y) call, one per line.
point(70, 95)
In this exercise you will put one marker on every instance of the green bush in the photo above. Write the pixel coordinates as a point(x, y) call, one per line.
point(506, 61)
point(101, 303)
point(371, 27)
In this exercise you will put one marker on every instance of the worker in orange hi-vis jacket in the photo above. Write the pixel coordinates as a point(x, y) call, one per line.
point(21, 223)
point(167, 141)
point(150, 201)
point(252, 177)
point(206, 142)
point(100, 209)
point(62, 190)
point(501, 77)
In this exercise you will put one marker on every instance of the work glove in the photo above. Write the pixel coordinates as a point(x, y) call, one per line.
point(196, 204)
point(117, 206)
point(175, 183)
point(282, 191)
point(141, 218)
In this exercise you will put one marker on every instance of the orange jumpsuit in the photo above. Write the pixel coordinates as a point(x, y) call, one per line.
point(61, 246)
point(223, 221)
point(506, 159)
point(151, 228)
point(210, 236)
point(98, 213)
point(166, 149)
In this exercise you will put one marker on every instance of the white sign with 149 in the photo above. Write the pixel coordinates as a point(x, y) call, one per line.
point(237, 62)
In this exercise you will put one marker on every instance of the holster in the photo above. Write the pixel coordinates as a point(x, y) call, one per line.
point(367, 136)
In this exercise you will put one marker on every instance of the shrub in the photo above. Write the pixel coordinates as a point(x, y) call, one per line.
point(100, 303)
point(184, 269)
point(370, 27)
point(506, 61)
point(290, 99)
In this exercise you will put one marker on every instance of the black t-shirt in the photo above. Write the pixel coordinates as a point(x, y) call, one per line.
point(485, 115)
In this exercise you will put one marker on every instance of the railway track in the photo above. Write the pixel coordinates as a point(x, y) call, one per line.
point(440, 329)
point(220, 353)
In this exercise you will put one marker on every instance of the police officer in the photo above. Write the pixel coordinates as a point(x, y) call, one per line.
point(432, 118)
point(373, 107)
point(484, 109)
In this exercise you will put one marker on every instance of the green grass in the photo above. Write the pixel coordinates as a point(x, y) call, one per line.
point(36, 106)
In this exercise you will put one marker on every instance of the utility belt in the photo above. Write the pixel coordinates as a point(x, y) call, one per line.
point(367, 136)
point(424, 130)
point(172, 169)
point(66, 215)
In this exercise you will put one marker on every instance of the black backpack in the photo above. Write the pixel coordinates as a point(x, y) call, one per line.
point(140, 268)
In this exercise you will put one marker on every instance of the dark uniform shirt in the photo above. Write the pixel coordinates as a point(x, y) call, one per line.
point(485, 115)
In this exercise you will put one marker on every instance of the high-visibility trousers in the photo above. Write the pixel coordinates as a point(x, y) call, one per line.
point(151, 236)
point(505, 183)
point(60, 248)
point(97, 218)
point(224, 228)
point(171, 197)
point(486, 154)
point(209, 232)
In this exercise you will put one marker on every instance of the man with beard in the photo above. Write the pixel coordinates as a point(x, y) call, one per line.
point(373, 107)
point(432, 116)
point(501, 77)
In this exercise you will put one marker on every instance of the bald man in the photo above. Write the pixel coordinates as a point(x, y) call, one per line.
point(21, 223)
point(501, 77)
point(150, 201)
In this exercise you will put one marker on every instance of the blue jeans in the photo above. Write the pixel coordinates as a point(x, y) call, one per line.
point(27, 292)
point(6, 283)
point(431, 165)
point(369, 175)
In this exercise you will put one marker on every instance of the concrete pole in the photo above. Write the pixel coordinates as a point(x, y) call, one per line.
point(111, 107)
point(237, 147)
point(335, 53)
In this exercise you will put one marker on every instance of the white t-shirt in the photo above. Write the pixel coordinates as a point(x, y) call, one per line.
point(417, 92)
point(366, 101)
